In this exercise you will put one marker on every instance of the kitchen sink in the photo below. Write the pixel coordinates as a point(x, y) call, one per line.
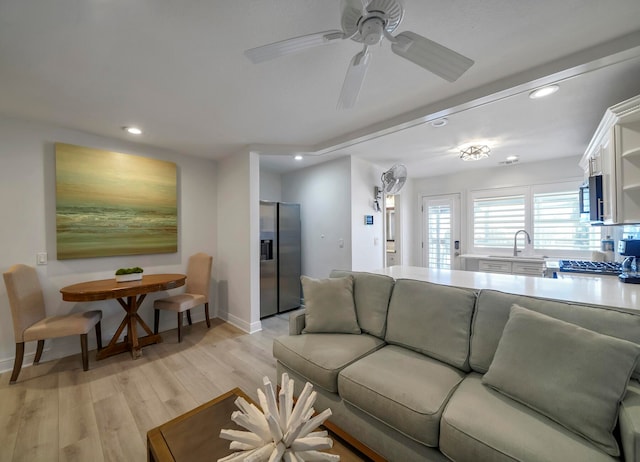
point(519, 257)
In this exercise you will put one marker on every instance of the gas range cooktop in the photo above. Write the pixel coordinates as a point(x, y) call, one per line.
point(592, 267)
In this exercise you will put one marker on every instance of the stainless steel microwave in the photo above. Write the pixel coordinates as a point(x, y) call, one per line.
point(592, 200)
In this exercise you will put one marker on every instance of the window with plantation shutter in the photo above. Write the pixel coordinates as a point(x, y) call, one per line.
point(549, 212)
point(496, 219)
point(557, 226)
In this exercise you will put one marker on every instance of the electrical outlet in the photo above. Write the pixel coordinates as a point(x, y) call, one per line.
point(41, 258)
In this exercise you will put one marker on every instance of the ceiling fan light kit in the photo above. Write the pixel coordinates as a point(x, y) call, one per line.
point(475, 153)
point(368, 23)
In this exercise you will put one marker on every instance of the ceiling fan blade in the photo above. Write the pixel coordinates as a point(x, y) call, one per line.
point(354, 79)
point(292, 45)
point(430, 55)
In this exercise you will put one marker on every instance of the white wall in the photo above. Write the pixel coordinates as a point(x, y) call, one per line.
point(405, 210)
point(507, 176)
point(270, 186)
point(324, 194)
point(238, 237)
point(367, 241)
point(27, 188)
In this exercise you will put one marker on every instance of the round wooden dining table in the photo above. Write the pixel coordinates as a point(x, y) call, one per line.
point(129, 295)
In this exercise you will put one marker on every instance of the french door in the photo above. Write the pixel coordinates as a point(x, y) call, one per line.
point(441, 231)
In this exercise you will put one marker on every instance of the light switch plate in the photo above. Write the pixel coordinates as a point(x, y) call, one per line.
point(41, 258)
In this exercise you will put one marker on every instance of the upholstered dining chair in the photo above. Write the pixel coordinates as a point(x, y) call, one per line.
point(30, 321)
point(196, 293)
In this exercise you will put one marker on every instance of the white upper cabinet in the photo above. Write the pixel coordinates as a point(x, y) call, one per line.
point(614, 153)
point(627, 147)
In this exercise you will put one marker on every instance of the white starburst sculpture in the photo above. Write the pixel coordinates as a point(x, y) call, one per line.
point(282, 432)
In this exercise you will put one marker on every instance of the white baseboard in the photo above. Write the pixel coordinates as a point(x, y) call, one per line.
point(68, 346)
point(7, 363)
point(241, 324)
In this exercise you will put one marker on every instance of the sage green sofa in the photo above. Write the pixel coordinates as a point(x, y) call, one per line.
point(411, 385)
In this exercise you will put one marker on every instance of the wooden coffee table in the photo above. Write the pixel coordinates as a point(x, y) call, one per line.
point(194, 436)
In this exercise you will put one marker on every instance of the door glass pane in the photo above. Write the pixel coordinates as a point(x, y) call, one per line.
point(439, 236)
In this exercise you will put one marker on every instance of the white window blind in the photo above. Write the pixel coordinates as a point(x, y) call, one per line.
point(496, 219)
point(631, 231)
point(439, 236)
point(557, 226)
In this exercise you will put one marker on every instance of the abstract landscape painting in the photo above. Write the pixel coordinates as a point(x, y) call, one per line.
point(108, 203)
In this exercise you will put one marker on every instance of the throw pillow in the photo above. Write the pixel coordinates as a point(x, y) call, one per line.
point(572, 375)
point(329, 305)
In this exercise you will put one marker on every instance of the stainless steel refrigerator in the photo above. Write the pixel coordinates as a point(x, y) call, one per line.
point(280, 257)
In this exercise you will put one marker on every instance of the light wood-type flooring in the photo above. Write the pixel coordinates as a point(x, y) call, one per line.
point(58, 412)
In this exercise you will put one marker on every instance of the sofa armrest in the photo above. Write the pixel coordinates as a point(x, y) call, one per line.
point(296, 321)
point(630, 423)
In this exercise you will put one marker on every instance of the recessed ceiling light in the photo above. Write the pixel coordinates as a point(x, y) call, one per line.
point(543, 91)
point(132, 130)
point(298, 157)
point(511, 158)
point(439, 122)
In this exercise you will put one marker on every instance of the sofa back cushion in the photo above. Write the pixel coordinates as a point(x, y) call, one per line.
point(329, 306)
point(371, 293)
point(493, 308)
point(432, 319)
point(573, 375)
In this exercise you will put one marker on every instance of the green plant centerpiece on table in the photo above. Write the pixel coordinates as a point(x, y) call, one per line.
point(134, 270)
point(129, 274)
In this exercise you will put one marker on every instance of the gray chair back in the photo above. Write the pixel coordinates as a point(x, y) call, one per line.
point(199, 274)
point(25, 298)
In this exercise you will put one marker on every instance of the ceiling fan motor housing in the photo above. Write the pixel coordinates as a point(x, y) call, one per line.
point(371, 30)
point(367, 26)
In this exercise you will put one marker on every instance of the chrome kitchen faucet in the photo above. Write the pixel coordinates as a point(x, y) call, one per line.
point(515, 241)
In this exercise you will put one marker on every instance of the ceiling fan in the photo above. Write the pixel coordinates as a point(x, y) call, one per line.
point(368, 22)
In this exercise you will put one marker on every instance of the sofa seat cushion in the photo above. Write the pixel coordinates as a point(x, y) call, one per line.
point(480, 423)
point(403, 388)
point(320, 357)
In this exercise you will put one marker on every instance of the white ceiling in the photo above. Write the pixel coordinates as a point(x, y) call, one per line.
point(176, 68)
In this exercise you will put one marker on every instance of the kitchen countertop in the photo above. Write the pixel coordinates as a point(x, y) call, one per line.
point(591, 289)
